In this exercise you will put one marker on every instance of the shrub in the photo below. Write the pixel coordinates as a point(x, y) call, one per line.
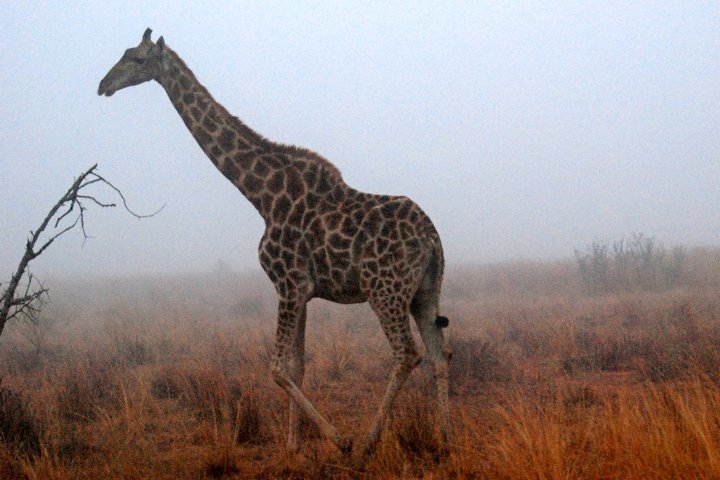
point(18, 426)
point(635, 263)
point(475, 362)
point(88, 387)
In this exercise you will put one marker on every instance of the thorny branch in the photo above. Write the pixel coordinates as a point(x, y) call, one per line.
point(73, 202)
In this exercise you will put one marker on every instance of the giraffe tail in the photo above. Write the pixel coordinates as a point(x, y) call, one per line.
point(442, 322)
point(428, 293)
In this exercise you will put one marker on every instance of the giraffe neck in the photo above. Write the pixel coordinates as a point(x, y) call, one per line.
point(245, 157)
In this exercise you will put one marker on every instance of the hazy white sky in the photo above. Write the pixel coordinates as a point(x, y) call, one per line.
point(523, 129)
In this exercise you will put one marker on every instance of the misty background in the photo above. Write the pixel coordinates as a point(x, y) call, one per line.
point(523, 129)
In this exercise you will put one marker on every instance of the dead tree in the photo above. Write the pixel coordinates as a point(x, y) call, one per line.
point(67, 214)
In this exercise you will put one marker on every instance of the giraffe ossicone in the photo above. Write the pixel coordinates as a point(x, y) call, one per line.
point(322, 239)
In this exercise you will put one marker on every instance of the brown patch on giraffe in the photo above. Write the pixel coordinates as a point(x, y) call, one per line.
point(373, 223)
point(357, 244)
point(296, 215)
point(202, 137)
point(389, 209)
point(213, 114)
point(320, 260)
point(310, 177)
point(227, 139)
point(348, 227)
point(175, 93)
point(324, 183)
point(288, 258)
point(202, 102)
point(332, 221)
point(267, 202)
point(276, 181)
point(275, 162)
point(230, 170)
point(316, 231)
point(358, 215)
point(209, 124)
point(186, 119)
point(302, 251)
point(188, 98)
point(339, 258)
point(338, 194)
point(312, 200)
point(381, 246)
point(254, 199)
point(261, 169)
point(252, 183)
point(278, 268)
point(244, 160)
point(290, 236)
point(407, 230)
point(404, 210)
point(339, 242)
point(243, 144)
point(184, 82)
point(196, 113)
point(272, 249)
point(281, 209)
point(307, 219)
point(264, 258)
point(293, 184)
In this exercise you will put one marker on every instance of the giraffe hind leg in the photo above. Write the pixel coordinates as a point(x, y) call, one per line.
point(395, 324)
point(389, 294)
point(424, 308)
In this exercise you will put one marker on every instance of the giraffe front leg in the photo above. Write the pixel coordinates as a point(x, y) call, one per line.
point(289, 315)
point(297, 372)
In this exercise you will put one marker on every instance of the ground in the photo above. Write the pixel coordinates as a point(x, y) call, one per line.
point(168, 377)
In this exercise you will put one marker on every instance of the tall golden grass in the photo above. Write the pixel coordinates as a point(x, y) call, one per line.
point(168, 377)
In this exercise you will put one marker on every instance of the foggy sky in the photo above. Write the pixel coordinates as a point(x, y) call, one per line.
point(522, 130)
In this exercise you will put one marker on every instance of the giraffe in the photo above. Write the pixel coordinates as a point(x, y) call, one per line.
point(322, 239)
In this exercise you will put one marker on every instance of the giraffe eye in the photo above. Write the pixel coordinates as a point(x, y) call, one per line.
point(139, 60)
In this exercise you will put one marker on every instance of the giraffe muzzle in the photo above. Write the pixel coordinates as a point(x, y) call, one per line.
point(104, 88)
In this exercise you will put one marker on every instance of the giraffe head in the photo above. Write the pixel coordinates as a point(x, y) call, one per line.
point(137, 65)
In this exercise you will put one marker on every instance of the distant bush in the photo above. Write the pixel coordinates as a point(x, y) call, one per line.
point(630, 264)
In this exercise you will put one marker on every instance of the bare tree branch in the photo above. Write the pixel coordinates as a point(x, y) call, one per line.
point(27, 304)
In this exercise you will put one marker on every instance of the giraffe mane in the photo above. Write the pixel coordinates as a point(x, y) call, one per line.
point(292, 151)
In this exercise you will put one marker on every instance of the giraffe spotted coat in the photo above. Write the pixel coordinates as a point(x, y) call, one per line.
point(322, 238)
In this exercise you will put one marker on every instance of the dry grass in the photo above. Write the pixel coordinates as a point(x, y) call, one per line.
point(168, 378)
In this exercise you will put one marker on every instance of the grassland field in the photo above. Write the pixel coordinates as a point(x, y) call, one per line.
point(167, 377)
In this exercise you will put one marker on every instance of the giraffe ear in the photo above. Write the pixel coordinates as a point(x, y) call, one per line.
point(160, 44)
point(146, 35)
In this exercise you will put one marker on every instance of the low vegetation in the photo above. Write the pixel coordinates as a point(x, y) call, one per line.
point(168, 377)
